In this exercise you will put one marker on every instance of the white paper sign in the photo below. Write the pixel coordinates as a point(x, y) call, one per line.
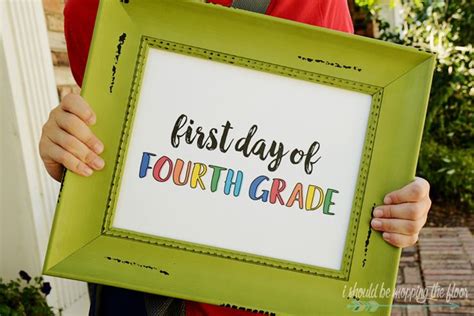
point(234, 158)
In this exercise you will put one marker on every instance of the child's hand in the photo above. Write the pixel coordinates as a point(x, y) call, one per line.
point(67, 141)
point(404, 213)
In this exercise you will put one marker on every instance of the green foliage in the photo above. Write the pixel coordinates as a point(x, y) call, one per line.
point(374, 4)
point(21, 297)
point(366, 3)
point(450, 171)
point(445, 28)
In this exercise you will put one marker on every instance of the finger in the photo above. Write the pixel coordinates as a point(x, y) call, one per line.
point(413, 192)
point(76, 105)
point(410, 211)
point(68, 160)
point(77, 148)
point(400, 240)
point(400, 226)
point(77, 128)
point(54, 169)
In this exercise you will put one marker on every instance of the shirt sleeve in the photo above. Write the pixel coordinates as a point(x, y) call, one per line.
point(227, 3)
point(331, 14)
point(79, 20)
point(335, 15)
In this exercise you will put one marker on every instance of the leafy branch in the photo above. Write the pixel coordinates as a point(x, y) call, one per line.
point(25, 296)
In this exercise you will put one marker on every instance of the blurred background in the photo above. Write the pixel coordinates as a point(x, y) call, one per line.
point(35, 75)
point(444, 254)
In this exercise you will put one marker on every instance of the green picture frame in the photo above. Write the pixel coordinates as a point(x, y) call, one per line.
point(84, 245)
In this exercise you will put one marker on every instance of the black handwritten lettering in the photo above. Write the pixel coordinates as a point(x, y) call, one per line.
point(246, 145)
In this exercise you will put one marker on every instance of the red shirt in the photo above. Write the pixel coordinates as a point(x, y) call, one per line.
point(79, 18)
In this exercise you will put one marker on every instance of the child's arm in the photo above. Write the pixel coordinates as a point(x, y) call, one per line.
point(67, 141)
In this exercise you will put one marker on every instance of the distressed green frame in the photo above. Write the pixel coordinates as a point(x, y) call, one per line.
point(149, 42)
point(84, 246)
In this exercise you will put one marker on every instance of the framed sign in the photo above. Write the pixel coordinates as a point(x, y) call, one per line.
point(244, 155)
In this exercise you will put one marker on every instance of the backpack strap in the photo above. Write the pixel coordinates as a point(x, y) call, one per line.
point(258, 6)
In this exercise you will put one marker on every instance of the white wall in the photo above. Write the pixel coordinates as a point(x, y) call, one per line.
point(18, 249)
point(28, 194)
